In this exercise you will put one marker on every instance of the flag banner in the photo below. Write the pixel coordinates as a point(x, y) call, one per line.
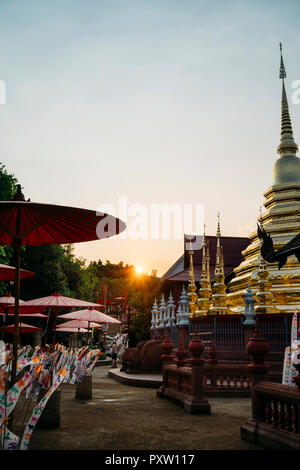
point(294, 328)
point(295, 351)
point(69, 364)
point(90, 368)
point(26, 362)
point(9, 439)
point(3, 378)
point(39, 409)
point(294, 348)
point(83, 366)
point(15, 391)
point(286, 374)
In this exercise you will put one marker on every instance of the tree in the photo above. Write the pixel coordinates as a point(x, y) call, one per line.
point(8, 184)
point(143, 291)
point(8, 187)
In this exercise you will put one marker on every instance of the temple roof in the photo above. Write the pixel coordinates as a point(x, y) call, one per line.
point(232, 249)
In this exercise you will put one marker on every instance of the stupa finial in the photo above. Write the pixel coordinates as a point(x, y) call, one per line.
point(218, 235)
point(282, 71)
point(287, 146)
point(204, 252)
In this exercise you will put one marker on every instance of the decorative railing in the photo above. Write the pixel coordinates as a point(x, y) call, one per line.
point(278, 406)
point(178, 380)
point(222, 379)
point(218, 380)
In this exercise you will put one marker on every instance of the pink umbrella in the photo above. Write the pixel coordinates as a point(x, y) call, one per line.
point(57, 301)
point(7, 304)
point(72, 327)
point(78, 324)
point(72, 330)
point(91, 315)
point(8, 300)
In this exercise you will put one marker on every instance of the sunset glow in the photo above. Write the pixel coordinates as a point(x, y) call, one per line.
point(139, 270)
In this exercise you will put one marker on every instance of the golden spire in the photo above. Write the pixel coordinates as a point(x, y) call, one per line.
point(219, 299)
point(218, 251)
point(192, 296)
point(222, 263)
point(287, 146)
point(204, 292)
point(208, 270)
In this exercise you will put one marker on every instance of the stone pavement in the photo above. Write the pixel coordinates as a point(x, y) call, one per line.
point(126, 417)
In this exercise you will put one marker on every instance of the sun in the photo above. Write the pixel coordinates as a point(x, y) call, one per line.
point(139, 270)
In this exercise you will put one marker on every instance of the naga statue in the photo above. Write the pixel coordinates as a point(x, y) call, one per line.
point(279, 256)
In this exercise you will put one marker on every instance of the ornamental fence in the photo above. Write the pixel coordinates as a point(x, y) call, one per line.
point(227, 332)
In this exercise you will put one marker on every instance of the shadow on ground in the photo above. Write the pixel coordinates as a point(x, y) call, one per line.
point(122, 417)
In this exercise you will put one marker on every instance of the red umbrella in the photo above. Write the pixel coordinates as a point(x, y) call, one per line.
point(29, 223)
point(24, 308)
point(7, 305)
point(33, 315)
point(23, 327)
point(8, 273)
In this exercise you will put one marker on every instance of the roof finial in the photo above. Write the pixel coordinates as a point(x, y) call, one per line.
point(192, 296)
point(218, 229)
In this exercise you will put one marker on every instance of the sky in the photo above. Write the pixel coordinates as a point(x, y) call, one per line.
point(155, 101)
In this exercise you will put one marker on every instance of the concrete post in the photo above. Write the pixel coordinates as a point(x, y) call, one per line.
point(50, 417)
point(84, 389)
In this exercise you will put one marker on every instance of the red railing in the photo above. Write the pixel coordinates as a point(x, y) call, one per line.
point(278, 406)
point(217, 380)
point(224, 380)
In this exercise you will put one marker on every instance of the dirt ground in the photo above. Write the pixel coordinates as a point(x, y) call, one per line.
point(122, 417)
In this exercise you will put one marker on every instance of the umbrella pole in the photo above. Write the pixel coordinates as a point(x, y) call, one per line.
point(54, 328)
point(16, 336)
point(4, 322)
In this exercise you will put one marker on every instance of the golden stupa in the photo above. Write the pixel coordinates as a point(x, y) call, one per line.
point(281, 220)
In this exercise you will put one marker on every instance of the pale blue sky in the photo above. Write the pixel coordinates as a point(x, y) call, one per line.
point(164, 101)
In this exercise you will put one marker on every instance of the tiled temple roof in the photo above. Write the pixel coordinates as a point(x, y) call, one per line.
point(232, 249)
